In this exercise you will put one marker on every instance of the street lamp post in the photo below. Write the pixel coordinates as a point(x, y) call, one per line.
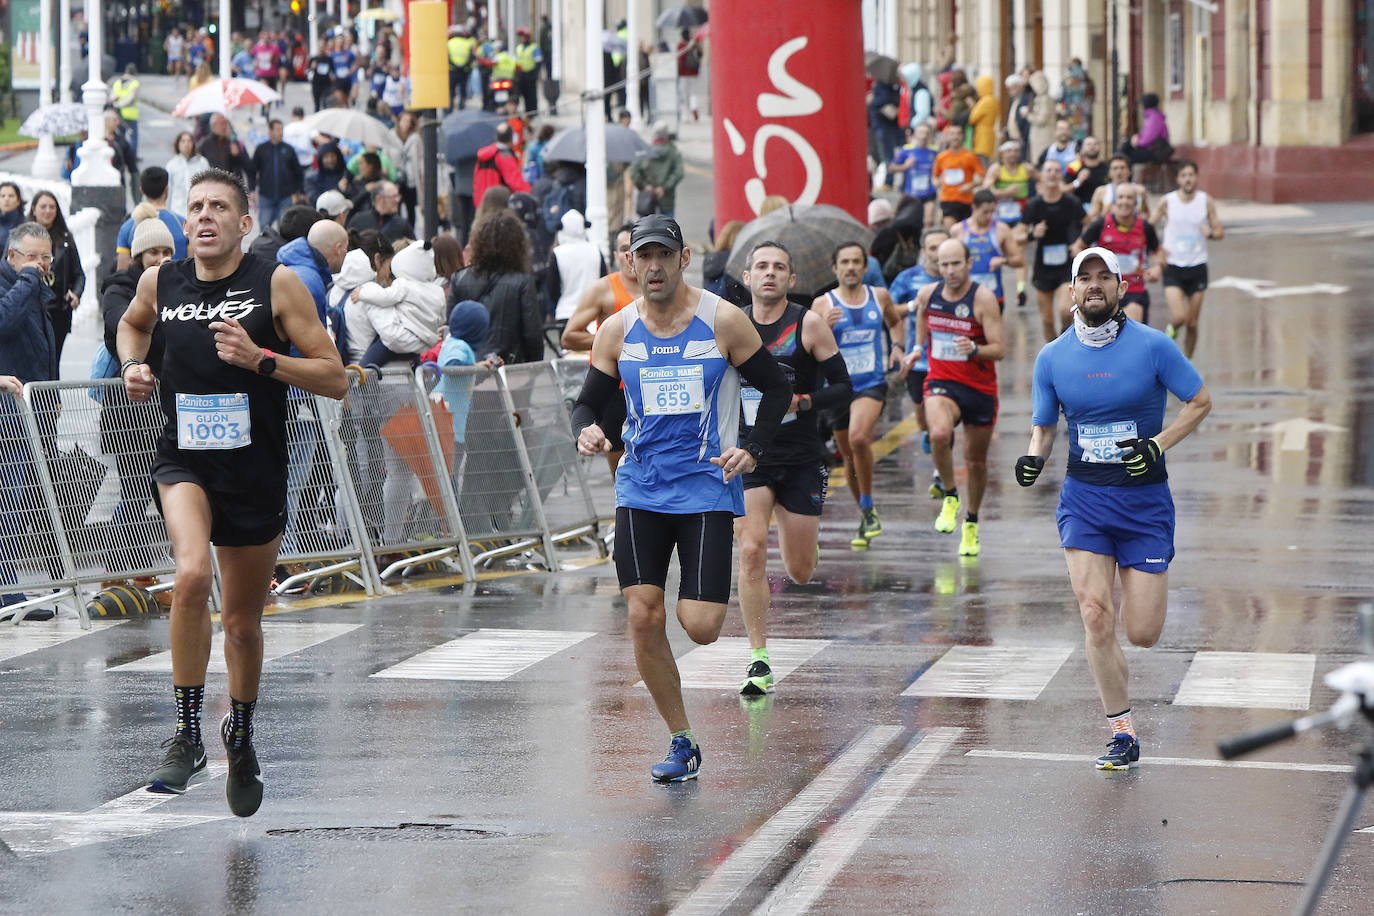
point(45, 163)
point(222, 41)
point(95, 168)
point(64, 57)
point(594, 123)
point(632, 100)
point(95, 182)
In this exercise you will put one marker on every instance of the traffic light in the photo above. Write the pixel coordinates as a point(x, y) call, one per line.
point(296, 6)
point(213, 28)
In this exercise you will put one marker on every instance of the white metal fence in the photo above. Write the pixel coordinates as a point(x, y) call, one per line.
point(438, 468)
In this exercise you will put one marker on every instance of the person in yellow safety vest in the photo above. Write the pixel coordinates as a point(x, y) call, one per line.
point(461, 49)
point(124, 97)
point(528, 57)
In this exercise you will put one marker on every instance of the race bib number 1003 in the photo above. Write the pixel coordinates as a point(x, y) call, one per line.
point(672, 389)
point(213, 421)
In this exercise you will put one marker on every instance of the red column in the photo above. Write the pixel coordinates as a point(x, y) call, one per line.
point(787, 95)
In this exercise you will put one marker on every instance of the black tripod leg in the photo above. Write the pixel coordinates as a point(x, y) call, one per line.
point(1339, 831)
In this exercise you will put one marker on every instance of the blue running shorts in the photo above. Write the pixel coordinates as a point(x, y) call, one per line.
point(1133, 524)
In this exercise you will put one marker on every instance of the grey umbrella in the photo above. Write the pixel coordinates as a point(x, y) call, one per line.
point(570, 145)
point(681, 17)
point(464, 132)
point(881, 67)
point(811, 233)
point(64, 119)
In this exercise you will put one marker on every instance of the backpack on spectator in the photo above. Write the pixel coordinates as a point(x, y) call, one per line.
point(691, 58)
point(557, 202)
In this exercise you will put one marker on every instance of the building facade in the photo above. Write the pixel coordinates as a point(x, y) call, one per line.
point(1273, 98)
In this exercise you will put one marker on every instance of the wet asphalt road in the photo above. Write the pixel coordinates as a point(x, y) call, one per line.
point(837, 793)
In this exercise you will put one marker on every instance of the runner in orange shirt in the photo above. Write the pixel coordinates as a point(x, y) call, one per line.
point(957, 172)
point(603, 299)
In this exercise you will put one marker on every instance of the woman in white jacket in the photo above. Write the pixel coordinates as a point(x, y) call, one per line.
point(180, 170)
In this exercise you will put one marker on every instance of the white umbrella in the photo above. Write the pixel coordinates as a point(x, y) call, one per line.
point(64, 119)
point(351, 124)
point(223, 95)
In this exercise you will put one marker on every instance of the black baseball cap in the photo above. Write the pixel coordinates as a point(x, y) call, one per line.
point(656, 228)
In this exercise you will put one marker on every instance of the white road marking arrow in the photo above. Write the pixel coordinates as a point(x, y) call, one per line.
point(1293, 433)
point(32, 833)
point(1268, 289)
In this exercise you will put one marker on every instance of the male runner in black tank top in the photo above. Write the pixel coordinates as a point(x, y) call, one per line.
point(791, 477)
point(220, 466)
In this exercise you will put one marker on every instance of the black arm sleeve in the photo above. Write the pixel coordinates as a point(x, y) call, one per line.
point(838, 389)
point(1093, 232)
point(597, 390)
point(763, 372)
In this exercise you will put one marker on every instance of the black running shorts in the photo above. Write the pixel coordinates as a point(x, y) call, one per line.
point(644, 543)
point(915, 386)
point(1049, 279)
point(1141, 299)
point(956, 210)
point(234, 521)
point(1189, 279)
point(838, 417)
point(799, 488)
point(975, 407)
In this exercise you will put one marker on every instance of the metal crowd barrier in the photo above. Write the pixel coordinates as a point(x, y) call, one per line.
point(559, 479)
point(458, 467)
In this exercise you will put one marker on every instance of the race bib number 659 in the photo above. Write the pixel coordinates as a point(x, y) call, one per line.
point(672, 389)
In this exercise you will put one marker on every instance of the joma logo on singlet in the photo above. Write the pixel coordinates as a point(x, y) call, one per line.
point(659, 351)
point(237, 309)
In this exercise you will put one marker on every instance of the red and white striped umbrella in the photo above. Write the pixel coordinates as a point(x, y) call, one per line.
point(222, 95)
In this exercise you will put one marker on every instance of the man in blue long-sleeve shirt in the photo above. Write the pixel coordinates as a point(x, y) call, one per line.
point(276, 176)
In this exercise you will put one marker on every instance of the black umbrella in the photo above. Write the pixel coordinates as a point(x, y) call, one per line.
point(570, 145)
point(464, 132)
point(681, 17)
point(810, 233)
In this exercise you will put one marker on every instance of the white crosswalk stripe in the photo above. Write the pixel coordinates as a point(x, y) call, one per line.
point(1252, 680)
point(34, 635)
point(278, 641)
point(486, 655)
point(991, 672)
point(722, 664)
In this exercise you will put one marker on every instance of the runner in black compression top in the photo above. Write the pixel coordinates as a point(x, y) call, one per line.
point(791, 477)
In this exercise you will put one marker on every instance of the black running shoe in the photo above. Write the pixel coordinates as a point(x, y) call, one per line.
point(183, 760)
point(243, 787)
point(758, 681)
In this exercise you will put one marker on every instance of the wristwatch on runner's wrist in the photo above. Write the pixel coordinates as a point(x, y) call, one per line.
point(268, 364)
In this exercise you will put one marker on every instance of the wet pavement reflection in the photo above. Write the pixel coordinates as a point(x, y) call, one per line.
point(530, 793)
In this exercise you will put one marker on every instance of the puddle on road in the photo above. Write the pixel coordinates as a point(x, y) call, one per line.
point(408, 830)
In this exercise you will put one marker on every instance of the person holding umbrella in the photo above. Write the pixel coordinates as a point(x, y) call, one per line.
point(659, 173)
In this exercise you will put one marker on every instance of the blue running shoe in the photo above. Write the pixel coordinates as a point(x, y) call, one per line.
point(925, 441)
point(683, 762)
point(1122, 753)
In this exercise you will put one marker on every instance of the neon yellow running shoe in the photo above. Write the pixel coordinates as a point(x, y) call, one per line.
point(949, 515)
point(1171, 331)
point(968, 542)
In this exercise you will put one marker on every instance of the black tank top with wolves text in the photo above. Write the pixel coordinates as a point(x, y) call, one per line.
point(186, 307)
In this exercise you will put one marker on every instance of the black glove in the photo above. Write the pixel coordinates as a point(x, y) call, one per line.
point(1141, 455)
point(1028, 468)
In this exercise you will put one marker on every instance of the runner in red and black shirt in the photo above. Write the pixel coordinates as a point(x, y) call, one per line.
point(964, 326)
point(1125, 232)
